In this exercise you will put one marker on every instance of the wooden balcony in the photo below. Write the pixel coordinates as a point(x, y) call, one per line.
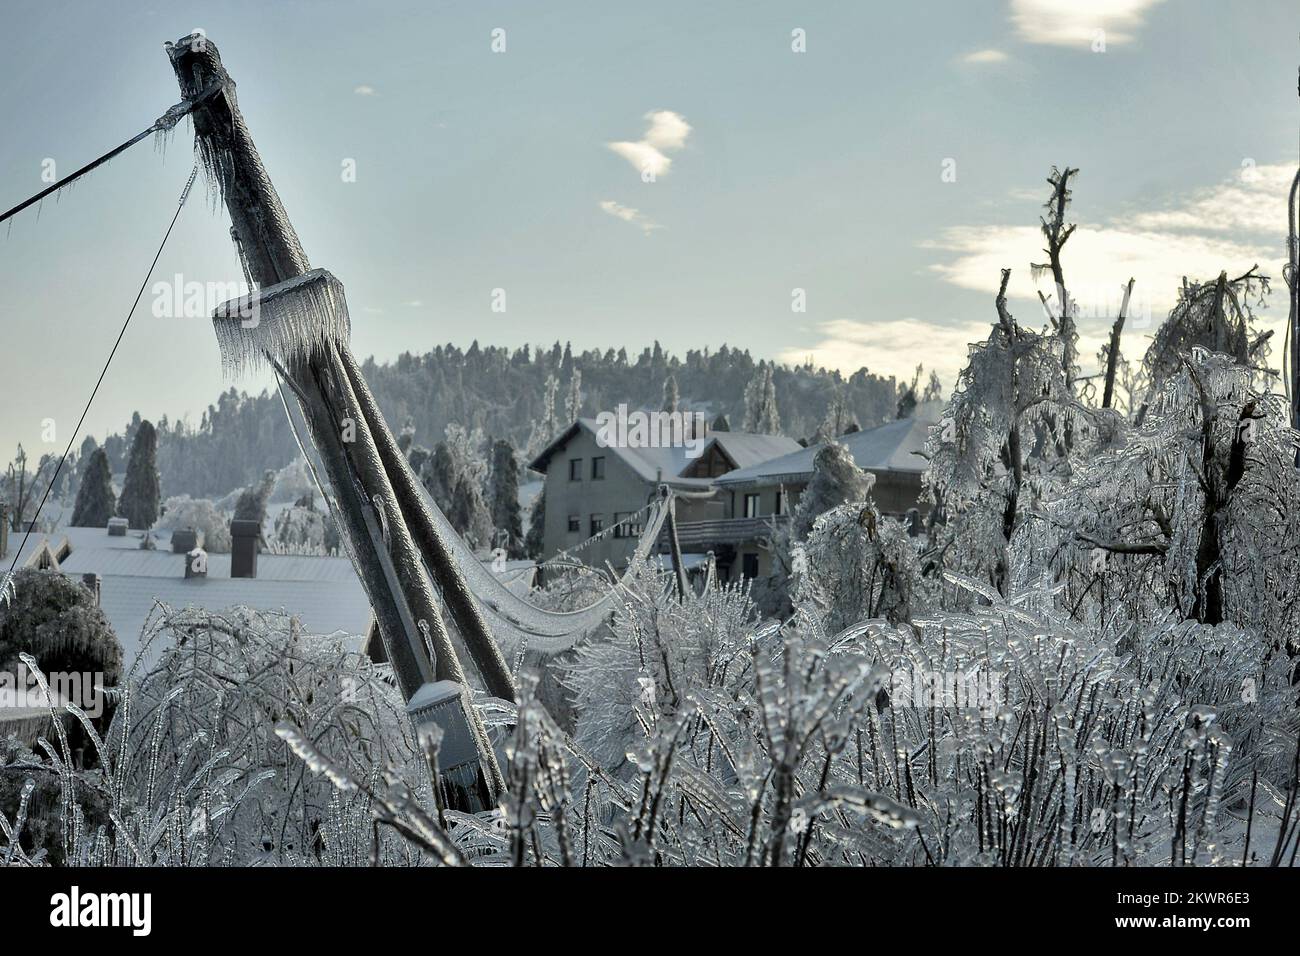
point(715, 534)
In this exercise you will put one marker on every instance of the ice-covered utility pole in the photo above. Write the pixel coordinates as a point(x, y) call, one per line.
point(1293, 282)
point(297, 321)
point(674, 543)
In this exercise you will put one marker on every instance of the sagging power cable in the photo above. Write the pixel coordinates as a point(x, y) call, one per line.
point(6, 584)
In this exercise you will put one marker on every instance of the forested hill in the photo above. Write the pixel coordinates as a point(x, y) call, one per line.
point(523, 395)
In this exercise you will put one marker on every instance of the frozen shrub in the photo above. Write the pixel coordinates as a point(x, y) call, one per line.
point(182, 511)
point(55, 619)
point(252, 501)
point(293, 481)
point(657, 649)
point(999, 446)
point(836, 480)
point(1006, 735)
point(192, 770)
point(1181, 513)
point(858, 565)
point(300, 530)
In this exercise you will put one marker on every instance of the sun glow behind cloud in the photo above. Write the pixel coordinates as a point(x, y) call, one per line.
point(1070, 23)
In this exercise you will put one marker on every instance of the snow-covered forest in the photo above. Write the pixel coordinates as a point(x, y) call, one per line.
point(521, 395)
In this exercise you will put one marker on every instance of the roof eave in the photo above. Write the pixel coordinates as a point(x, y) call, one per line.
point(543, 461)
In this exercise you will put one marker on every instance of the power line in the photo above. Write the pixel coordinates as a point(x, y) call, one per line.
point(165, 122)
point(6, 584)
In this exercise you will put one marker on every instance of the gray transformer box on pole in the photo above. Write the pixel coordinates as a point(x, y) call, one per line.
point(442, 704)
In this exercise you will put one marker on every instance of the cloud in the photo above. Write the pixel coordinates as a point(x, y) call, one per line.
point(629, 215)
point(667, 132)
point(1074, 24)
point(1098, 258)
point(1253, 200)
point(643, 157)
point(1231, 226)
point(364, 90)
point(985, 57)
point(891, 347)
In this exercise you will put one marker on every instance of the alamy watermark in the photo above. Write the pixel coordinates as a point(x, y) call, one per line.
point(175, 298)
point(19, 689)
point(622, 428)
point(974, 689)
point(74, 909)
point(1103, 302)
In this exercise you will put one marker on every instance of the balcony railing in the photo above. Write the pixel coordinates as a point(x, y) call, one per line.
point(711, 534)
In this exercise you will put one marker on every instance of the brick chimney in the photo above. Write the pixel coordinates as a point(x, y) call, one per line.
point(184, 540)
point(243, 547)
point(92, 581)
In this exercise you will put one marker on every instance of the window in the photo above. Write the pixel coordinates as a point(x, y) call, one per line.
point(597, 524)
point(598, 469)
point(749, 565)
point(626, 524)
point(575, 469)
point(751, 506)
point(575, 524)
point(780, 502)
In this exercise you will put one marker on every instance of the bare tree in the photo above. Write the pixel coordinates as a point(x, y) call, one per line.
point(1057, 232)
point(20, 487)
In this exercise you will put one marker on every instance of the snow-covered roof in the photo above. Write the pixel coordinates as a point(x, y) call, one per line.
point(92, 550)
point(666, 463)
point(28, 551)
point(747, 450)
point(323, 592)
point(891, 447)
point(323, 607)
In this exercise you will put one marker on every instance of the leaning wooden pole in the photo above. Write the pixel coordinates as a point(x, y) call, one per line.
point(437, 554)
point(302, 330)
point(674, 543)
point(1293, 281)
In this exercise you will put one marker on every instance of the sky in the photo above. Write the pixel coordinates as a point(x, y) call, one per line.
point(838, 181)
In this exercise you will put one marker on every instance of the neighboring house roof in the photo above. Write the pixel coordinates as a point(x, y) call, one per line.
point(666, 463)
point(891, 447)
point(30, 553)
point(95, 551)
point(323, 592)
point(322, 607)
point(746, 450)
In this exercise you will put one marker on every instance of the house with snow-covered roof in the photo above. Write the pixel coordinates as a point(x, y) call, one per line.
point(765, 494)
point(600, 479)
